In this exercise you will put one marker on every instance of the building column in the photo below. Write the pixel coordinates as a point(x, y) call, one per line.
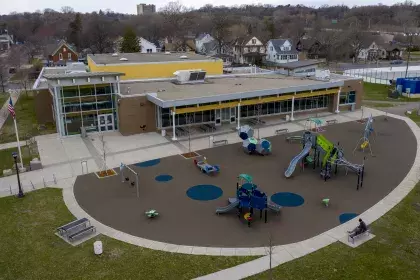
point(173, 126)
point(239, 116)
point(338, 101)
point(292, 118)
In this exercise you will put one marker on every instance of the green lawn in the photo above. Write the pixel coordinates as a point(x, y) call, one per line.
point(7, 161)
point(379, 105)
point(26, 121)
point(380, 92)
point(393, 254)
point(414, 117)
point(30, 250)
point(3, 98)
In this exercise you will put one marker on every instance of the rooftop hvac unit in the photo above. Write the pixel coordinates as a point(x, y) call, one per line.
point(190, 76)
point(115, 54)
point(123, 59)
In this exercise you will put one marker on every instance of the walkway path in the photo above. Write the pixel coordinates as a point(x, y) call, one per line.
point(9, 145)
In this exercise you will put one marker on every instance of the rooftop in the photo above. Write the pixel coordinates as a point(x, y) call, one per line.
point(168, 94)
point(298, 64)
point(146, 58)
point(81, 75)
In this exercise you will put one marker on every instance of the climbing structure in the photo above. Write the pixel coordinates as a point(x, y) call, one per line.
point(364, 141)
point(251, 144)
point(324, 154)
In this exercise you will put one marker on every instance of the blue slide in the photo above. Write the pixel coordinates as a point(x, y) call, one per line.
point(297, 158)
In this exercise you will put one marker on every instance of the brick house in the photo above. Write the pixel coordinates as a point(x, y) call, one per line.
point(61, 53)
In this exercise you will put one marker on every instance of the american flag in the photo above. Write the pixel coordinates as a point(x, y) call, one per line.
point(11, 108)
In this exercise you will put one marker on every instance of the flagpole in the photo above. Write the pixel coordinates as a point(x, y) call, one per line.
point(18, 143)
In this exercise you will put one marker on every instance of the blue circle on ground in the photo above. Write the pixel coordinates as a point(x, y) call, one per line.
point(204, 192)
point(287, 199)
point(148, 163)
point(163, 178)
point(249, 186)
point(345, 217)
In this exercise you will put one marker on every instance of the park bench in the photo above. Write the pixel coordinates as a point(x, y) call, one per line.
point(334, 121)
point(281, 131)
point(367, 232)
point(66, 229)
point(81, 232)
point(220, 142)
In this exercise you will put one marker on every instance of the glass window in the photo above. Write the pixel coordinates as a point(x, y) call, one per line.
point(348, 97)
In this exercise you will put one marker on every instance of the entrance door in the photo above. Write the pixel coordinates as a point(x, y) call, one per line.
point(233, 115)
point(106, 122)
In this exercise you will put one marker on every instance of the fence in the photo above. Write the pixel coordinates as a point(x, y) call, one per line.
point(383, 75)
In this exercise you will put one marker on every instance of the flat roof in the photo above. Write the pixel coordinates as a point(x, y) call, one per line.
point(138, 58)
point(168, 94)
point(81, 75)
point(298, 64)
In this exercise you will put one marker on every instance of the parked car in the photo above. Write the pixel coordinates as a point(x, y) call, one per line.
point(398, 61)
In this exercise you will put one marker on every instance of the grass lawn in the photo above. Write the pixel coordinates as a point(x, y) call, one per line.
point(414, 117)
point(380, 92)
point(26, 121)
point(3, 98)
point(7, 161)
point(393, 254)
point(379, 105)
point(30, 250)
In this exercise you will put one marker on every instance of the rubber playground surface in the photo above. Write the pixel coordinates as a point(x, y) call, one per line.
point(187, 215)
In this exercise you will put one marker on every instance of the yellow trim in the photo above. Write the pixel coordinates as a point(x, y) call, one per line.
point(254, 101)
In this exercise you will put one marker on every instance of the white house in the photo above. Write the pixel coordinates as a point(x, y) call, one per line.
point(224, 52)
point(201, 40)
point(146, 46)
point(6, 41)
point(248, 50)
point(281, 51)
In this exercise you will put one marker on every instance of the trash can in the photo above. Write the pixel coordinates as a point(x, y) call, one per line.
point(83, 132)
point(97, 247)
point(287, 118)
point(163, 133)
point(211, 139)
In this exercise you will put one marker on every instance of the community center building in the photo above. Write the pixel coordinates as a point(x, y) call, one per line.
point(105, 100)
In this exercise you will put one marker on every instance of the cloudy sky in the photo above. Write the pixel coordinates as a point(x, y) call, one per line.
point(129, 6)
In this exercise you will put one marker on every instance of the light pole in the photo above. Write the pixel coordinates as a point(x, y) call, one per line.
point(20, 194)
point(410, 43)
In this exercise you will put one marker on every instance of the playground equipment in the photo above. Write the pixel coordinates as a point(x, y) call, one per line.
point(317, 125)
point(124, 179)
point(205, 167)
point(364, 142)
point(151, 213)
point(253, 145)
point(329, 155)
point(249, 196)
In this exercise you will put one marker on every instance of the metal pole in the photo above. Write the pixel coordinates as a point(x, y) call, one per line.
point(20, 194)
point(18, 143)
point(137, 185)
point(409, 53)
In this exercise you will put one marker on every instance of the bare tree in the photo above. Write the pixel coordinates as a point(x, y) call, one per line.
point(269, 251)
point(15, 58)
point(220, 30)
point(104, 168)
point(99, 35)
point(67, 10)
point(3, 74)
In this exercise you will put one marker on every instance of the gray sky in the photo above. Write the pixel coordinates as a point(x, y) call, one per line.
point(129, 6)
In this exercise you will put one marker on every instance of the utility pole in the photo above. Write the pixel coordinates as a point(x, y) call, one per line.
point(409, 52)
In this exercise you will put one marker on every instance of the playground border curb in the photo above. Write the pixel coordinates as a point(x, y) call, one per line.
point(282, 253)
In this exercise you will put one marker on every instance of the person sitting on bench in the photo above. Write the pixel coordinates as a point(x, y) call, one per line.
point(362, 227)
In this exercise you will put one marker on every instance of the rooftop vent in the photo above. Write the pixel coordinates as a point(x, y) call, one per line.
point(322, 75)
point(167, 52)
point(190, 76)
point(183, 57)
point(123, 59)
point(115, 54)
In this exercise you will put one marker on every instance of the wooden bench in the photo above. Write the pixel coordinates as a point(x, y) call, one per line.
point(367, 232)
point(281, 131)
point(81, 232)
point(334, 121)
point(220, 142)
point(63, 230)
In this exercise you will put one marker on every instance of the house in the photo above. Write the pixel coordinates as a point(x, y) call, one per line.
point(248, 50)
point(185, 44)
point(201, 40)
point(309, 48)
point(225, 52)
point(375, 51)
point(281, 51)
point(6, 41)
point(147, 46)
point(60, 53)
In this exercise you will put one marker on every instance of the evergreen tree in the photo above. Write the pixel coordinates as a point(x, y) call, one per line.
point(75, 28)
point(130, 42)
